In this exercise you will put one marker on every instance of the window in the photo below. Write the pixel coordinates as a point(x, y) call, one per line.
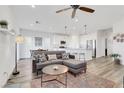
point(38, 41)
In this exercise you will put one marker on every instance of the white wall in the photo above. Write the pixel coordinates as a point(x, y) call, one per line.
point(74, 41)
point(101, 36)
point(83, 44)
point(7, 47)
point(100, 48)
point(118, 47)
point(55, 40)
point(84, 38)
point(50, 41)
point(109, 36)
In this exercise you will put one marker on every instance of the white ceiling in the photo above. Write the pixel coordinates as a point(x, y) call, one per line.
point(103, 17)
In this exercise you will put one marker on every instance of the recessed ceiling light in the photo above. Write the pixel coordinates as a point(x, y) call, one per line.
point(31, 24)
point(74, 28)
point(33, 6)
point(76, 20)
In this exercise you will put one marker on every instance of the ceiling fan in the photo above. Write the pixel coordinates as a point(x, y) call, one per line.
point(75, 7)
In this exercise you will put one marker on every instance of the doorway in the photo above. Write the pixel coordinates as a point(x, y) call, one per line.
point(106, 50)
point(94, 49)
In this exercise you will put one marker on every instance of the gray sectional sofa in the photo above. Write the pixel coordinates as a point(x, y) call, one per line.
point(75, 66)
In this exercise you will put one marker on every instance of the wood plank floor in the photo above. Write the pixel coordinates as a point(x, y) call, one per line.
point(107, 69)
point(103, 67)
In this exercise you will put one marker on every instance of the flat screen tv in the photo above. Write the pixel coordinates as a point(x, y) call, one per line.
point(62, 42)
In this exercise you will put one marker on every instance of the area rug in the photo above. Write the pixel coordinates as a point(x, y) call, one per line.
point(87, 80)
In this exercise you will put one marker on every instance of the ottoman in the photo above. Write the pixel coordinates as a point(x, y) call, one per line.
point(75, 66)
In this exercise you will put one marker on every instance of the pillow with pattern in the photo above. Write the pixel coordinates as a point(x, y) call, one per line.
point(42, 58)
point(65, 56)
point(36, 57)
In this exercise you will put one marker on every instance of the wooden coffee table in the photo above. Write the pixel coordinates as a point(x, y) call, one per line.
point(55, 70)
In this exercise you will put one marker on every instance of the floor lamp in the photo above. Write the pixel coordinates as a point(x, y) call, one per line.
point(19, 39)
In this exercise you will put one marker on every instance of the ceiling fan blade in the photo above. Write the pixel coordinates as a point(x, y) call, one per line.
point(74, 13)
point(63, 10)
point(87, 9)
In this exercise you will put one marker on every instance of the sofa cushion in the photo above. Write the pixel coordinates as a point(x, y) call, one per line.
point(75, 71)
point(57, 61)
point(76, 64)
point(65, 56)
point(41, 65)
point(59, 56)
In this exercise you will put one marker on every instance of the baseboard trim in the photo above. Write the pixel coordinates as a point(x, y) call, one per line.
point(23, 58)
point(9, 75)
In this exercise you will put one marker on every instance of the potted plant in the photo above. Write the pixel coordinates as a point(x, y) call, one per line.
point(3, 24)
point(116, 58)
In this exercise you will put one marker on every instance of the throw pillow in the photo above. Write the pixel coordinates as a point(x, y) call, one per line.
point(52, 57)
point(65, 56)
point(42, 58)
point(35, 57)
point(59, 56)
point(46, 56)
